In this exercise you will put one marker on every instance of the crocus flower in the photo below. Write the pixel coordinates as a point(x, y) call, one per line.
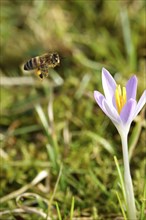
point(120, 105)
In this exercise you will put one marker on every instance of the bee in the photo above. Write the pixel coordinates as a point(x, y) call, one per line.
point(43, 63)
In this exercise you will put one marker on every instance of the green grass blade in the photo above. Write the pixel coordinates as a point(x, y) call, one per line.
point(130, 49)
point(58, 211)
point(43, 118)
point(72, 208)
point(120, 202)
point(134, 137)
point(143, 206)
point(120, 178)
point(52, 147)
point(55, 189)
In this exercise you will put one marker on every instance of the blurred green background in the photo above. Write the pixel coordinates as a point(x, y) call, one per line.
point(56, 123)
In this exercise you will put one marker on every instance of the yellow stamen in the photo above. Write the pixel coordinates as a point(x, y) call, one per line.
point(120, 97)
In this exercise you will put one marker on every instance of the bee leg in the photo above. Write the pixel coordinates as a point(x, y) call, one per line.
point(46, 73)
point(44, 70)
point(39, 73)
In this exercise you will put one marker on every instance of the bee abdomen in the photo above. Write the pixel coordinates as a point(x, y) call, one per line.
point(31, 64)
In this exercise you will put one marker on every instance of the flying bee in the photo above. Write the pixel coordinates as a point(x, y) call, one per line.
point(43, 63)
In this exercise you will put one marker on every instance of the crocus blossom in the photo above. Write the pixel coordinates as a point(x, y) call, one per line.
point(118, 104)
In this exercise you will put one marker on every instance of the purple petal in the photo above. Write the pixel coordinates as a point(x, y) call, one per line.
point(108, 109)
point(127, 112)
point(140, 104)
point(99, 98)
point(111, 112)
point(131, 88)
point(109, 85)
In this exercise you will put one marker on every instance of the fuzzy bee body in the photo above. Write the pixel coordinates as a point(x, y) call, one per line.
point(33, 63)
point(43, 63)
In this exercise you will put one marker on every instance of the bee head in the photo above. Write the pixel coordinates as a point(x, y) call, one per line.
point(55, 59)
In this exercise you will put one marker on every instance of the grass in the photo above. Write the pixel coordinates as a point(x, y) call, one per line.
point(57, 147)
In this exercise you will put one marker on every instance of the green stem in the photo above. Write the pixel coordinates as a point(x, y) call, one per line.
point(131, 209)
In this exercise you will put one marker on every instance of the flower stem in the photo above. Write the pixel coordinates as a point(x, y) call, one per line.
point(131, 209)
